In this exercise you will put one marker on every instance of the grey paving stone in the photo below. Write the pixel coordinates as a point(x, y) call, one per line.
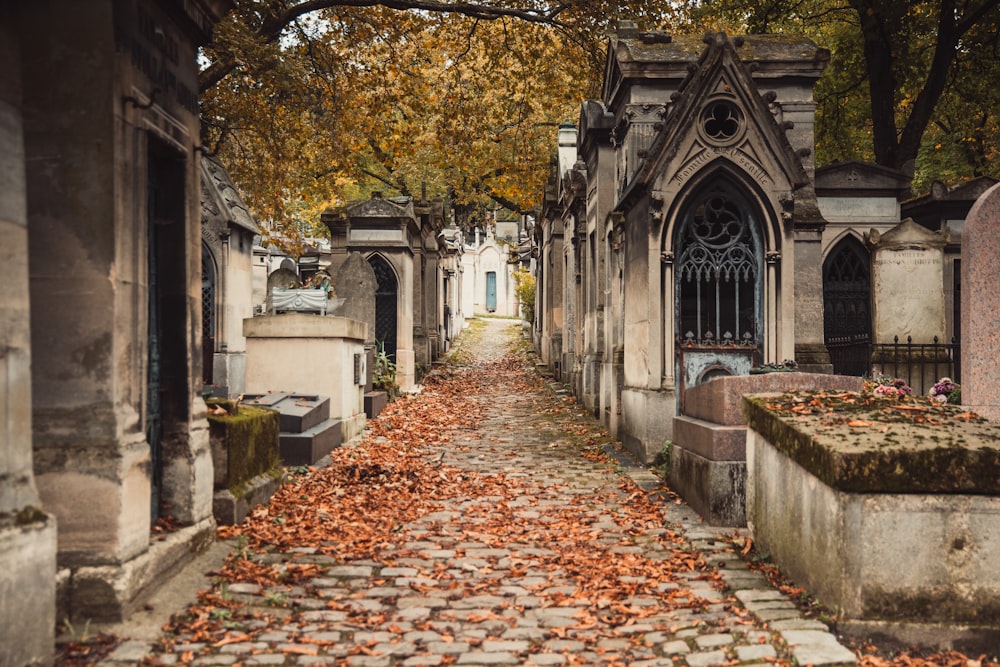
point(266, 659)
point(131, 651)
point(565, 645)
point(486, 658)
point(512, 645)
point(813, 647)
point(706, 658)
point(755, 652)
point(713, 641)
point(768, 615)
point(423, 661)
point(213, 660)
point(447, 648)
point(676, 647)
point(250, 589)
point(326, 616)
point(369, 661)
point(350, 571)
point(799, 624)
point(758, 594)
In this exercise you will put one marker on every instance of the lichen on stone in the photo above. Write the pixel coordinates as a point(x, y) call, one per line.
point(861, 443)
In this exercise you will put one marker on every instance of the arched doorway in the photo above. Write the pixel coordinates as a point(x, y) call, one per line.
point(718, 282)
point(386, 297)
point(847, 307)
point(491, 291)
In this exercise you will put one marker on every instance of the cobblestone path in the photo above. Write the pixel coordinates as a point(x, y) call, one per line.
point(480, 523)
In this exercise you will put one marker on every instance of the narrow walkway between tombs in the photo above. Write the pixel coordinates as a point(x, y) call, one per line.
point(485, 521)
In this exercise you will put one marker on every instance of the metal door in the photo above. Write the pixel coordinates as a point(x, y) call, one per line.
point(154, 368)
point(846, 307)
point(491, 291)
point(386, 298)
point(718, 277)
point(207, 316)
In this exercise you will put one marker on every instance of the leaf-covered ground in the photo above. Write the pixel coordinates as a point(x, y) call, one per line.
point(479, 522)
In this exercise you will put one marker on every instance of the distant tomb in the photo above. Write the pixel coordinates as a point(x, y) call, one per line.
point(909, 319)
point(907, 280)
point(357, 282)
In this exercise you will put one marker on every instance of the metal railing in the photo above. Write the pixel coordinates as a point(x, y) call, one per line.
point(920, 364)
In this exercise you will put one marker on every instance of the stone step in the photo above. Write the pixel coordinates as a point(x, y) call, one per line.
point(309, 446)
point(299, 412)
point(375, 402)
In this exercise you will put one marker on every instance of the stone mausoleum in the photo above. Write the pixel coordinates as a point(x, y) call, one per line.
point(682, 239)
point(418, 267)
point(686, 234)
point(104, 427)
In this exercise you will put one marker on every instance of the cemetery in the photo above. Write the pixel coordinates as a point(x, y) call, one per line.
point(688, 245)
point(708, 294)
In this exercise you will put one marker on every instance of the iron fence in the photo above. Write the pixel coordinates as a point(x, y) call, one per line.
point(920, 364)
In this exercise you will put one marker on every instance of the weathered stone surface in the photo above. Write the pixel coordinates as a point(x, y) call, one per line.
point(720, 399)
point(908, 284)
point(356, 284)
point(981, 305)
point(890, 557)
point(887, 450)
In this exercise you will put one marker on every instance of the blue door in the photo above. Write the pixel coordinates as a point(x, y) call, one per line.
point(491, 291)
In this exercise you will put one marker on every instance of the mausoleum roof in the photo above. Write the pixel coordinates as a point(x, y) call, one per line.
point(221, 202)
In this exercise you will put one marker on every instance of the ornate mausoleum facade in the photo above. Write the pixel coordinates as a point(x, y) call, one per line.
point(682, 238)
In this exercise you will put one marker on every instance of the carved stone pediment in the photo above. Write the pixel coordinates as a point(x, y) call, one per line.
point(379, 207)
point(221, 204)
point(857, 177)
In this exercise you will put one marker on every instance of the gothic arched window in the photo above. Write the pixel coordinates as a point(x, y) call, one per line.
point(718, 271)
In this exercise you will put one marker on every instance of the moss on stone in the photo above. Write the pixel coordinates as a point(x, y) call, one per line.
point(858, 444)
point(975, 607)
point(28, 515)
point(252, 442)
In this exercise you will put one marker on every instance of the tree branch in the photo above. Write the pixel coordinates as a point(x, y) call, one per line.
point(275, 23)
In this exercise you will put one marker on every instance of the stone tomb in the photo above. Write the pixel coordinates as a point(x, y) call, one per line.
point(357, 282)
point(303, 354)
point(889, 514)
point(307, 432)
point(245, 458)
point(907, 283)
point(708, 453)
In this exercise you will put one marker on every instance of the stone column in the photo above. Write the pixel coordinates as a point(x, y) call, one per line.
point(27, 534)
point(810, 347)
point(115, 283)
point(340, 228)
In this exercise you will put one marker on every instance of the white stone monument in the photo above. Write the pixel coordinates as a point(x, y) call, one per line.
point(908, 284)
